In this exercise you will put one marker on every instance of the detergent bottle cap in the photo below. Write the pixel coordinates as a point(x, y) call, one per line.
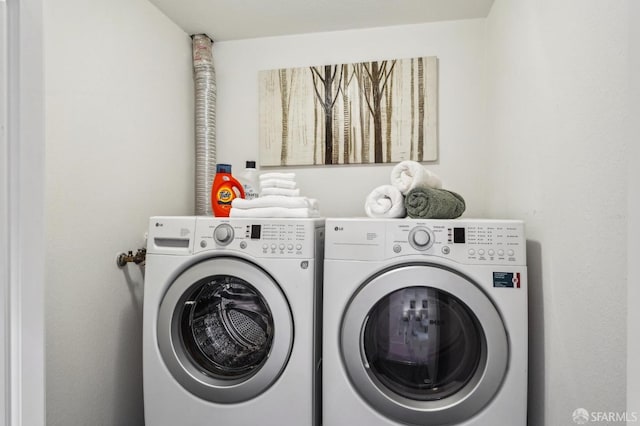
point(223, 168)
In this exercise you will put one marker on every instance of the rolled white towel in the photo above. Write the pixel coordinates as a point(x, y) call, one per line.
point(407, 175)
point(277, 183)
point(280, 191)
point(385, 201)
point(277, 175)
point(274, 212)
point(272, 201)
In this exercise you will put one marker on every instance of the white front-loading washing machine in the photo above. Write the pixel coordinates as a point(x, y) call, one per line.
point(425, 323)
point(231, 308)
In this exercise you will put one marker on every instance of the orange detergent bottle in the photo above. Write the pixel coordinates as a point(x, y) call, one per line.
point(224, 189)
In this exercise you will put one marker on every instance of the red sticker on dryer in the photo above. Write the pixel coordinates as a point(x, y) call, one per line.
point(506, 279)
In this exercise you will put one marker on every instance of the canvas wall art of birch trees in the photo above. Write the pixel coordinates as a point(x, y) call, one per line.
point(369, 112)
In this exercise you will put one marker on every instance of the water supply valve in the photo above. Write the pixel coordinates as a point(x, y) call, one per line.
point(137, 258)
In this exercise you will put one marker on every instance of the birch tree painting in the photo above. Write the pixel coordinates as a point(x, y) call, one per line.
point(369, 112)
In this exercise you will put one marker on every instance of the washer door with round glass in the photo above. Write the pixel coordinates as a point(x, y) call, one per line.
point(225, 330)
point(424, 345)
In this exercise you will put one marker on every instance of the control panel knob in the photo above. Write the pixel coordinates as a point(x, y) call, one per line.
point(420, 238)
point(223, 234)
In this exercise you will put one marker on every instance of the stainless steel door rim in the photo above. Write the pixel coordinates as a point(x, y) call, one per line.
point(469, 399)
point(182, 365)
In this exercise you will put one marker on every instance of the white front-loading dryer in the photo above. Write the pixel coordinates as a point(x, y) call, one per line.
point(424, 323)
point(231, 308)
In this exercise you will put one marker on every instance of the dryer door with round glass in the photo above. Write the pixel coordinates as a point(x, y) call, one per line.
point(225, 330)
point(424, 345)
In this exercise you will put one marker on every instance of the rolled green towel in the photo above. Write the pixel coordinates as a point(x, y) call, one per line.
point(431, 203)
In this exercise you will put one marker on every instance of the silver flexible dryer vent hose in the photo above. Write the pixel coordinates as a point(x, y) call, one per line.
point(204, 75)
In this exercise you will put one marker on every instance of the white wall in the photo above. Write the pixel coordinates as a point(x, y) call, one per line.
point(633, 293)
point(342, 190)
point(119, 148)
point(557, 91)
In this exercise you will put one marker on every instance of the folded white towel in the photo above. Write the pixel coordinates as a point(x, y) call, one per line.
point(407, 175)
point(385, 201)
point(280, 191)
point(273, 201)
point(274, 212)
point(277, 183)
point(277, 175)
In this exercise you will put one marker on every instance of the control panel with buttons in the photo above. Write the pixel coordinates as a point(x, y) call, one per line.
point(257, 237)
point(468, 241)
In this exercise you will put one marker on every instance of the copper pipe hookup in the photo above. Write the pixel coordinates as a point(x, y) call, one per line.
point(137, 258)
